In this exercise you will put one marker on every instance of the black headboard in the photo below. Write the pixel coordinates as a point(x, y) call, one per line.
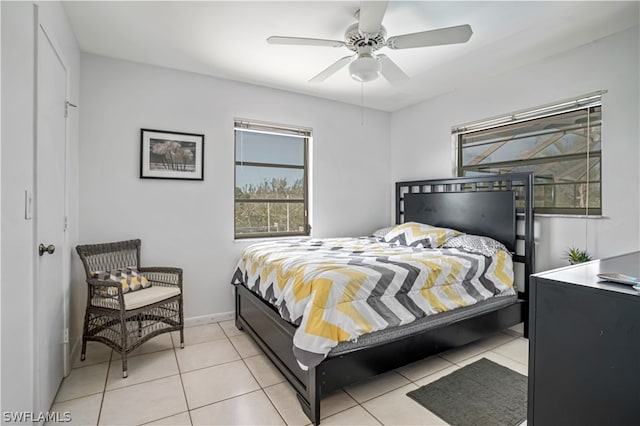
point(497, 206)
point(492, 214)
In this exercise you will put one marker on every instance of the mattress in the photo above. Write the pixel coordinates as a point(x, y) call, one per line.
point(423, 324)
point(341, 289)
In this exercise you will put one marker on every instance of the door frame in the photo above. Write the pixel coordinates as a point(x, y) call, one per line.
point(64, 250)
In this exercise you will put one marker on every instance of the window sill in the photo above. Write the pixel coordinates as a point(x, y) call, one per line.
point(263, 239)
point(571, 216)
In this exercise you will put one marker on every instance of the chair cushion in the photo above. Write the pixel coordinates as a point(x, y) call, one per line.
point(149, 296)
point(138, 299)
point(129, 277)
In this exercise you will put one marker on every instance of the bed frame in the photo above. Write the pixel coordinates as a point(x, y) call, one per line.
point(474, 205)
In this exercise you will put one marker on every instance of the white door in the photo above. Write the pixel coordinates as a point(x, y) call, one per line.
point(51, 144)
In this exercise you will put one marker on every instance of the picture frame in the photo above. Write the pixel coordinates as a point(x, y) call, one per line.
point(171, 155)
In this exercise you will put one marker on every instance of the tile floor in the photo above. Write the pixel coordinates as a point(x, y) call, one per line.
point(221, 377)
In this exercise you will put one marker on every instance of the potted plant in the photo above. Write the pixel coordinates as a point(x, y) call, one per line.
point(575, 255)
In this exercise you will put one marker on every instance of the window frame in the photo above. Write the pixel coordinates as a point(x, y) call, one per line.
point(305, 134)
point(584, 103)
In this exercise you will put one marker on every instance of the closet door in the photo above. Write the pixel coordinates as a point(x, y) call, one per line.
point(50, 300)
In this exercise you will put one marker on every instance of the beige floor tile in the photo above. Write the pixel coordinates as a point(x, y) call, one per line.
point(81, 411)
point(245, 345)
point(264, 371)
point(496, 340)
point(229, 328)
point(352, 416)
point(419, 369)
point(461, 353)
point(198, 334)
point(96, 353)
point(396, 408)
point(517, 329)
point(213, 384)
point(182, 419)
point(376, 386)
point(144, 402)
point(437, 375)
point(498, 359)
point(517, 350)
point(83, 381)
point(250, 409)
point(206, 354)
point(283, 397)
point(335, 402)
point(142, 368)
point(159, 343)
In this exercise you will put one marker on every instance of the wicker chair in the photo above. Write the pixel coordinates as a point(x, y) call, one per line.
point(125, 320)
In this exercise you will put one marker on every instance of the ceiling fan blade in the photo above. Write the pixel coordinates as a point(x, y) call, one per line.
point(450, 35)
point(331, 69)
point(391, 71)
point(370, 16)
point(301, 41)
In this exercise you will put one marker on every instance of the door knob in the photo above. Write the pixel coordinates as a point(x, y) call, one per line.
point(49, 249)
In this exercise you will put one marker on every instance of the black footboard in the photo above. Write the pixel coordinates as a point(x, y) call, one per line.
point(275, 338)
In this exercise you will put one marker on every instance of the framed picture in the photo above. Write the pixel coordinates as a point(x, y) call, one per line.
point(171, 155)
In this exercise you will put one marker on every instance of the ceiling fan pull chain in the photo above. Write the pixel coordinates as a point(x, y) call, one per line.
point(361, 103)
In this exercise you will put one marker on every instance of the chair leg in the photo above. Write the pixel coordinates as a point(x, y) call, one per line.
point(124, 365)
point(84, 348)
point(181, 313)
point(85, 330)
point(123, 344)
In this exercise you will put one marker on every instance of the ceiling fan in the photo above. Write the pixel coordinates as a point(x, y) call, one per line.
point(368, 35)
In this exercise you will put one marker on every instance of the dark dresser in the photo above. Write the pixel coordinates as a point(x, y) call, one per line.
point(584, 346)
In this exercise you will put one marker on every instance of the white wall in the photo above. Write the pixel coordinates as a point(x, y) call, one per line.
point(18, 171)
point(17, 234)
point(189, 223)
point(421, 136)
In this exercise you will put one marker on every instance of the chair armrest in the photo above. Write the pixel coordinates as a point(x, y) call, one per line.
point(163, 275)
point(95, 282)
point(98, 293)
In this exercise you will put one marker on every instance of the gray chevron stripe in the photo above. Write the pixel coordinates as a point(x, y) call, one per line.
point(487, 283)
point(402, 295)
point(374, 300)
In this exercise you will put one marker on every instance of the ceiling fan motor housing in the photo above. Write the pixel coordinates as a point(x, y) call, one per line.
point(353, 38)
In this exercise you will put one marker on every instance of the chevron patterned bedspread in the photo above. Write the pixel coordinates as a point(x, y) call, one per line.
point(338, 289)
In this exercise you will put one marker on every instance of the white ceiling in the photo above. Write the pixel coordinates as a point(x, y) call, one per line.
point(227, 39)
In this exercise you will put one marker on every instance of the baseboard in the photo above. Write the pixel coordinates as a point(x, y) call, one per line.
point(208, 319)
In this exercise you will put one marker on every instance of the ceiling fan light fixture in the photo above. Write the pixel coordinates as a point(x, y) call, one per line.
point(365, 68)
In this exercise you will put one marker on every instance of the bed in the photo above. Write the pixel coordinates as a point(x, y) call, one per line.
point(498, 207)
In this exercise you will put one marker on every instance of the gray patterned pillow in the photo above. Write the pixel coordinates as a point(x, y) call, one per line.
point(476, 244)
point(382, 231)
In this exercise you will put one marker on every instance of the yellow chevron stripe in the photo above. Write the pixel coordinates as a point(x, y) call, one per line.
point(451, 279)
point(345, 306)
point(500, 273)
point(433, 300)
point(434, 272)
point(316, 324)
point(301, 288)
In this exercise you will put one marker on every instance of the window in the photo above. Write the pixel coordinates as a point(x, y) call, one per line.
point(560, 144)
point(271, 182)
